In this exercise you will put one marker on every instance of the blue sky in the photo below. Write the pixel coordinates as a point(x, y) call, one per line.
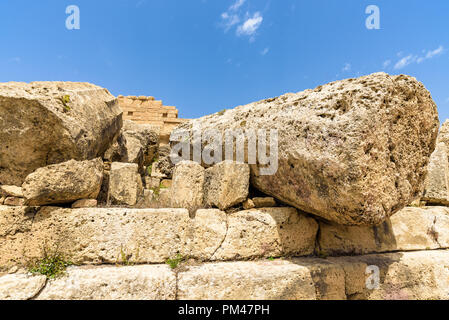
point(206, 55)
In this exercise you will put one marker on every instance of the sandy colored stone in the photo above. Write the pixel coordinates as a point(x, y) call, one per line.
point(85, 203)
point(64, 182)
point(410, 229)
point(20, 286)
point(2, 200)
point(11, 191)
point(187, 189)
point(436, 189)
point(97, 235)
point(137, 143)
point(209, 231)
point(125, 184)
point(163, 167)
point(268, 232)
point(353, 151)
point(151, 182)
point(421, 275)
point(263, 280)
point(154, 198)
point(226, 184)
point(44, 123)
point(248, 204)
point(13, 201)
point(264, 202)
point(166, 183)
point(156, 282)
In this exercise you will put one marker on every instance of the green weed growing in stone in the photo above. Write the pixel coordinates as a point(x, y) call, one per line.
point(174, 263)
point(52, 265)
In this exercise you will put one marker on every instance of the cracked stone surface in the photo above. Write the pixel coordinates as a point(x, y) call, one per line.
point(105, 235)
point(410, 229)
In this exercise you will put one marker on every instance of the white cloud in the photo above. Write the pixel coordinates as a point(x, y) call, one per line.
point(265, 51)
point(229, 20)
point(418, 59)
point(250, 26)
point(347, 67)
point(405, 62)
point(237, 5)
point(386, 63)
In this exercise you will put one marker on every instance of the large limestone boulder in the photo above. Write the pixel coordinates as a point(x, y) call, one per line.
point(20, 286)
point(125, 184)
point(43, 123)
point(137, 143)
point(353, 151)
point(64, 183)
point(187, 189)
point(226, 184)
point(436, 189)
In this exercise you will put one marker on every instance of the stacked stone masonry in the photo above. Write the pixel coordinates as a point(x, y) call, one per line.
point(147, 110)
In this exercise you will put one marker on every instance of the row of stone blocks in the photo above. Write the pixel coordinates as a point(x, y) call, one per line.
point(403, 275)
point(106, 235)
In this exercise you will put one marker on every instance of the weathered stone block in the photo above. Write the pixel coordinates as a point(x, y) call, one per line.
point(409, 229)
point(226, 184)
point(44, 123)
point(113, 283)
point(64, 183)
point(187, 189)
point(125, 184)
point(436, 189)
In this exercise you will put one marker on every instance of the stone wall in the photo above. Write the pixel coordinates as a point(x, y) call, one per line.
point(147, 110)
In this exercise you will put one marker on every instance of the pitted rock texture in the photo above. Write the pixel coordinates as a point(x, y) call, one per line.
point(436, 189)
point(64, 182)
point(353, 151)
point(43, 123)
point(108, 235)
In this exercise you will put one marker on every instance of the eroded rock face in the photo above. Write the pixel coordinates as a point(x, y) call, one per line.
point(354, 151)
point(43, 123)
point(125, 184)
point(187, 189)
point(226, 184)
point(436, 189)
point(137, 143)
point(64, 182)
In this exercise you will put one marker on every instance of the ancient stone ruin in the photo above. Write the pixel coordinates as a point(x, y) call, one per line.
point(357, 208)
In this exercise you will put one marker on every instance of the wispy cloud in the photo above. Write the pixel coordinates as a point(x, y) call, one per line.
point(346, 68)
point(412, 58)
point(250, 26)
point(237, 5)
point(247, 23)
point(265, 51)
point(386, 64)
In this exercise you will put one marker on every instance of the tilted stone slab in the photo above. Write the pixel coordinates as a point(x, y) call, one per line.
point(353, 151)
point(43, 123)
point(157, 282)
point(411, 228)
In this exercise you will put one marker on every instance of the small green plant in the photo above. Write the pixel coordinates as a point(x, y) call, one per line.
point(222, 112)
point(271, 258)
point(125, 258)
point(52, 265)
point(174, 263)
point(161, 186)
point(65, 100)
